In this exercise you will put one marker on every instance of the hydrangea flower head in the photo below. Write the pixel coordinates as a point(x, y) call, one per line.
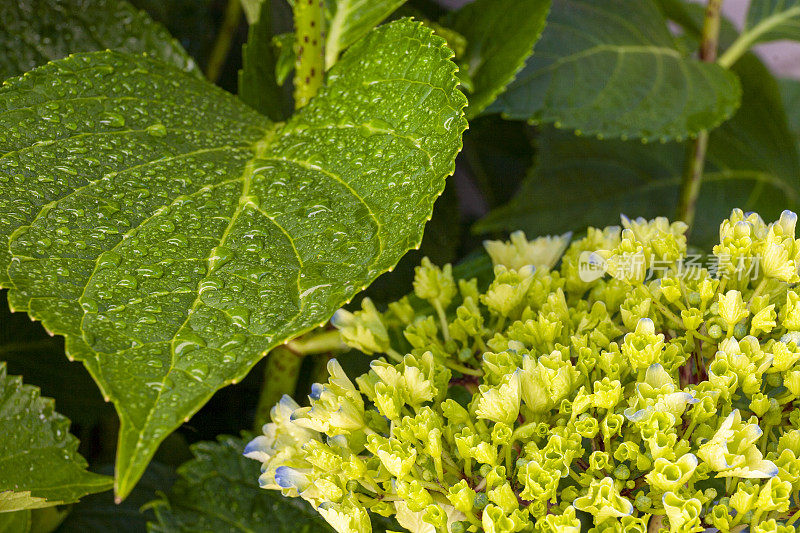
point(650, 397)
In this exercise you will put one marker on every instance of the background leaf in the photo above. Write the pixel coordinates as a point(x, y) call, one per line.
point(500, 36)
point(577, 181)
point(611, 69)
point(29, 351)
point(790, 92)
point(37, 31)
point(771, 20)
point(218, 491)
point(352, 19)
point(98, 513)
point(175, 241)
point(258, 87)
point(39, 464)
point(15, 522)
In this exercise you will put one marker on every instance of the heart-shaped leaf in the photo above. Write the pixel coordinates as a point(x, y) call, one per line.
point(578, 181)
point(500, 37)
point(611, 69)
point(175, 239)
point(39, 462)
point(37, 31)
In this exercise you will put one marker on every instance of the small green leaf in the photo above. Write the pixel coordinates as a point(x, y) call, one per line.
point(35, 32)
point(500, 36)
point(611, 69)
point(39, 462)
point(577, 181)
point(175, 239)
point(258, 86)
point(352, 19)
point(218, 491)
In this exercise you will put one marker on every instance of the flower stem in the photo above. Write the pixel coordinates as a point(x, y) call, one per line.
point(693, 175)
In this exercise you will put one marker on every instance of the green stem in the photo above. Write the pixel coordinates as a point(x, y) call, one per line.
point(280, 377)
point(309, 47)
point(693, 176)
point(222, 45)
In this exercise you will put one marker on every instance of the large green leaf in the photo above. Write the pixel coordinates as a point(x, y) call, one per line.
point(218, 491)
point(39, 462)
point(352, 19)
point(500, 36)
point(611, 69)
point(33, 32)
point(752, 163)
point(175, 239)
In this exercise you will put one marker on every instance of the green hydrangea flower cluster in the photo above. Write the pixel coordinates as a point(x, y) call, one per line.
point(660, 396)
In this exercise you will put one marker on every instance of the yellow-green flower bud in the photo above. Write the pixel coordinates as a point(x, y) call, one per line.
point(501, 404)
point(731, 308)
point(671, 475)
point(504, 497)
point(346, 517)
point(461, 496)
point(363, 330)
point(433, 284)
point(603, 501)
point(683, 514)
point(541, 253)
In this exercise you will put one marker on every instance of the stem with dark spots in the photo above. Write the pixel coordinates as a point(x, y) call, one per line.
point(309, 48)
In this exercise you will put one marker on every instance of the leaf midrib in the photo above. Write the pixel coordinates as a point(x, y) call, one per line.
point(259, 149)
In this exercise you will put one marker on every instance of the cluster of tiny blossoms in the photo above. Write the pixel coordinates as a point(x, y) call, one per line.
point(548, 403)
